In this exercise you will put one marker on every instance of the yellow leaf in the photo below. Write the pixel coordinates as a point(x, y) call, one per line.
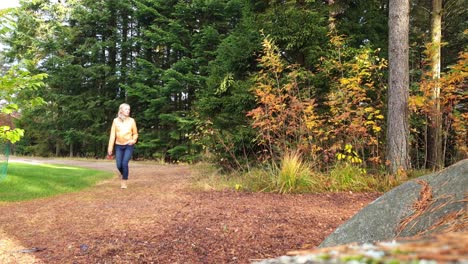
point(417, 101)
point(348, 148)
point(344, 81)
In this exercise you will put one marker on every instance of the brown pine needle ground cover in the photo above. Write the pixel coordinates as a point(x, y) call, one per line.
point(456, 221)
point(161, 219)
point(424, 201)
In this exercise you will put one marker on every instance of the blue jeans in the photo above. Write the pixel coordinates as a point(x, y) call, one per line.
point(123, 154)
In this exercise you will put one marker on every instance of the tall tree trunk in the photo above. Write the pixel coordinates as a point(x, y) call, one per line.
point(331, 16)
point(125, 47)
point(71, 150)
point(112, 38)
point(398, 91)
point(57, 148)
point(435, 159)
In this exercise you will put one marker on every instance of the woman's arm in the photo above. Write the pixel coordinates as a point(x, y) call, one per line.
point(134, 132)
point(110, 147)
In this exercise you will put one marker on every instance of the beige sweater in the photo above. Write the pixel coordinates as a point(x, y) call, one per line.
point(123, 132)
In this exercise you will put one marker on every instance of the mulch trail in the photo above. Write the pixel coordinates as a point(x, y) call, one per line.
point(161, 219)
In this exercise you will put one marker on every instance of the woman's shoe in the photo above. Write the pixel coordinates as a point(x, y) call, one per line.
point(123, 184)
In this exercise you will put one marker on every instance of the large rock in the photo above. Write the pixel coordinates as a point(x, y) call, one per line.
point(430, 209)
point(426, 205)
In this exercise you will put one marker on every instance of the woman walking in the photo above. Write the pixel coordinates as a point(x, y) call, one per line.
point(123, 136)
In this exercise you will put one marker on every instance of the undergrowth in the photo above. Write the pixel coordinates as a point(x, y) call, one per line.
point(293, 175)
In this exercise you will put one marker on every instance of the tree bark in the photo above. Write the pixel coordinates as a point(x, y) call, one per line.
point(57, 149)
point(71, 150)
point(331, 16)
point(398, 91)
point(435, 159)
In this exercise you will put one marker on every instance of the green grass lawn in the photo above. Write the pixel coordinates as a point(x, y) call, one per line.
point(29, 181)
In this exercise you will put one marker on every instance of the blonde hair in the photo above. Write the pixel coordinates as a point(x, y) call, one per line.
point(119, 113)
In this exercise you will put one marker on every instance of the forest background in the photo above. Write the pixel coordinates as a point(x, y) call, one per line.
point(238, 83)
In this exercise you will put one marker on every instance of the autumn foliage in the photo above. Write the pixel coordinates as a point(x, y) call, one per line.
point(451, 100)
point(289, 118)
point(285, 117)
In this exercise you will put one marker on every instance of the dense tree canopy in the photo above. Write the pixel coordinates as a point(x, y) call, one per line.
point(232, 81)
